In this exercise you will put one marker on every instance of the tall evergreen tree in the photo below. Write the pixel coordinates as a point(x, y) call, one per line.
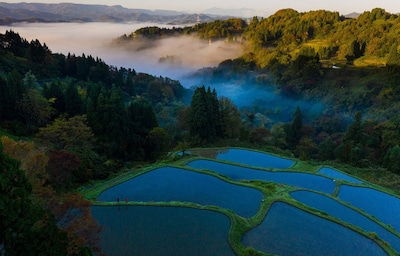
point(73, 102)
point(203, 117)
point(117, 123)
point(294, 132)
point(197, 116)
point(4, 100)
point(54, 93)
point(230, 119)
point(141, 120)
point(14, 90)
point(354, 133)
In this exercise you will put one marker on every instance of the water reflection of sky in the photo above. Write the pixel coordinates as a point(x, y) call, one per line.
point(338, 210)
point(150, 230)
point(337, 175)
point(254, 158)
point(174, 184)
point(297, 179)
point(287, 230)
point(383, 206)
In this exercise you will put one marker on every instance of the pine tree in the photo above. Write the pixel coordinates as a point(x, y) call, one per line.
point(295, 131)
point(203, 117)
point(197, 115)
point(73, 102)
point(354, 133)
point(140, 121)
point(54, 93)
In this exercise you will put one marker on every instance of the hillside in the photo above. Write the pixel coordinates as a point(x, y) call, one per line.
point(310, 54)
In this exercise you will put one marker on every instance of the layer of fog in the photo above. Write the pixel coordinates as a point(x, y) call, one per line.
point(179, 57)
point(181, 54)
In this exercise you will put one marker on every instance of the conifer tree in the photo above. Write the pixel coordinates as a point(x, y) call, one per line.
point(140, 121)
point(54, 93)
point(73, 102)
point(294, 132)
point(203, 116)
point(354, 134)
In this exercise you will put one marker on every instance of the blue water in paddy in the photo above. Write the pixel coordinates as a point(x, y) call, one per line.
point(152, 230)
point(175, 184)
point(338, 175)
point(334, 208)
point(297, 179)
point(381, 205)
point(287, 230)
point(254, 158)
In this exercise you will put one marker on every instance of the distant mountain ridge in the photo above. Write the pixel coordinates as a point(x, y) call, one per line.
point(353, 15)
point(69, 12)
point(242, 12)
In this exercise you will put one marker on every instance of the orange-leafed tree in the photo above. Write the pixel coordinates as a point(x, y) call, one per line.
point(70, 210)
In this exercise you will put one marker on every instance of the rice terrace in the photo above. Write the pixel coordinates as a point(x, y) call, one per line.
point(236, 201)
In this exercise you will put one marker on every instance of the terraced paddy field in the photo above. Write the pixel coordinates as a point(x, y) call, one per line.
point(157, 230)
point(219, 202)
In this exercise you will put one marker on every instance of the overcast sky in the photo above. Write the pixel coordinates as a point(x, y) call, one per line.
point(263, 6)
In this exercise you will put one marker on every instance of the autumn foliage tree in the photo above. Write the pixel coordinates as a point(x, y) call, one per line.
point(67, 134)
point(72, 141)
point(70, 211)
point(31, 160)
point(73, 215)
point(26, 227)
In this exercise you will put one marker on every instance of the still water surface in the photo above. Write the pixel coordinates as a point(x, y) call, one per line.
point(338, 175)
point(175, 184)
point(381, 205)
point(334, 208)
point(254, 158)
point(297, 179)
point(287, 230)
point(151, 230)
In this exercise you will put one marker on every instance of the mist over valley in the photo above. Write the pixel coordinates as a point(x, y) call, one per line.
point(97, 39)
point(182, 58)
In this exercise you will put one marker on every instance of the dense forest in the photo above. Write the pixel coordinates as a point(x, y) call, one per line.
point(68, 120)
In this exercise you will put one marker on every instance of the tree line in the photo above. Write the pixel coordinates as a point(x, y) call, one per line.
point(219, 29)
point(363, 143)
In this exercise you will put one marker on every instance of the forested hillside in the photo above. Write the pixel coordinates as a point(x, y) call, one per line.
point(310, 54)
point(364, 41)
point(352, 65)
point(69, 120)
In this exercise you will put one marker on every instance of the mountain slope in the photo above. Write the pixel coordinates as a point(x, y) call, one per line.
point(20, 12)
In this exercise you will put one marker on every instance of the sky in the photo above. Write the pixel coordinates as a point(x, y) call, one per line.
point(262, 6)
